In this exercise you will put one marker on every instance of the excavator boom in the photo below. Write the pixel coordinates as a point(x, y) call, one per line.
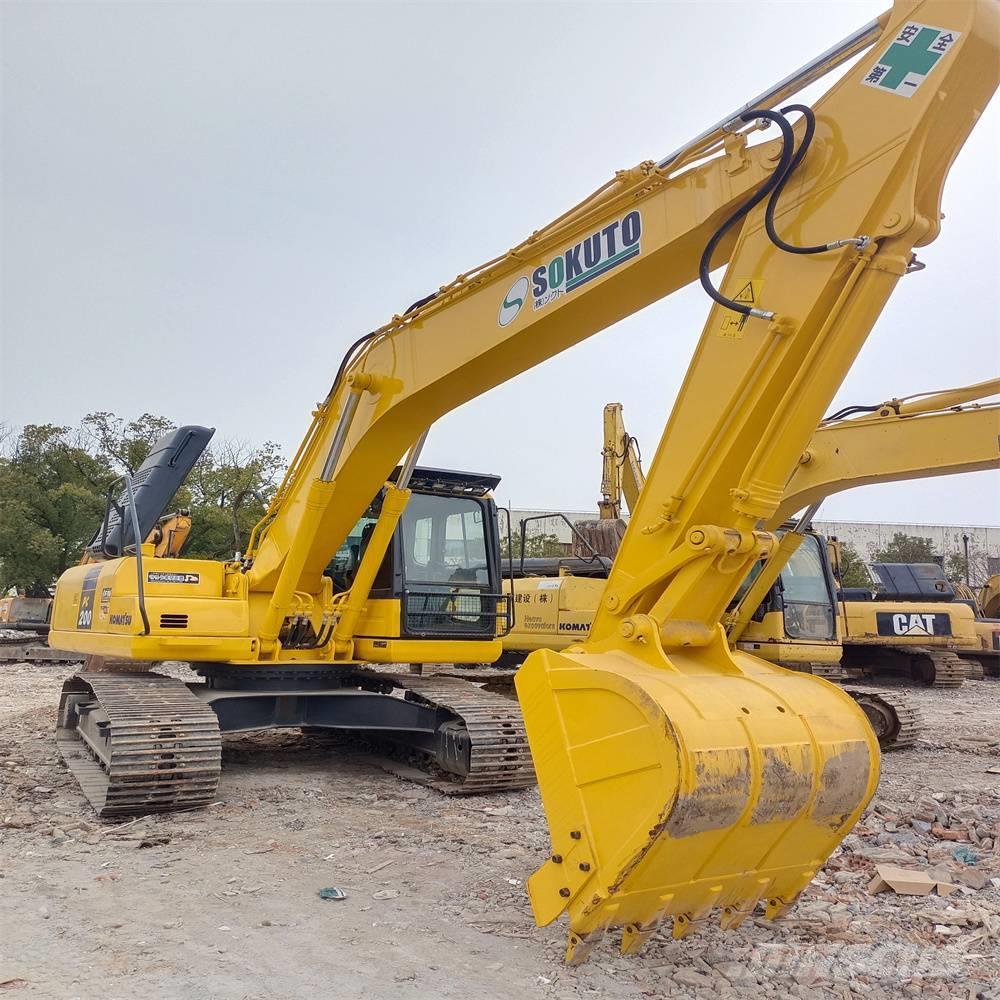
point(950, 433)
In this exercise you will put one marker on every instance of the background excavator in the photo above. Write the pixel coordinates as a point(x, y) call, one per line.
point(793, 610)
point(678, 776)
point(985, 604)
point(910, 630)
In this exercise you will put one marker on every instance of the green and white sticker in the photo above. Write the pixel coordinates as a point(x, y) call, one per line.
point(908, 61)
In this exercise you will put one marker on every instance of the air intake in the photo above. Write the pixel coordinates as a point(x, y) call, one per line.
point(173, 621)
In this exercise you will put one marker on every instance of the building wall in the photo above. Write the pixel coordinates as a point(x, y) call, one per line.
point(869, 537)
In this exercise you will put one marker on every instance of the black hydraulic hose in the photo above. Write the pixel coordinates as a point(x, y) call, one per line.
point(849, 411)
point(772, 202)
point(858, 241)
point(361, 341)
point(787, 145)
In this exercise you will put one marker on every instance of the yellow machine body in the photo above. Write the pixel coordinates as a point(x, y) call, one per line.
point(552, 612)
point(989, 597)
point(677, 776)
point(198, 612)
point(909, 623)
point(768, 639)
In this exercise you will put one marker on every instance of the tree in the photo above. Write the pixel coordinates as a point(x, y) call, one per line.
point(124, 444)
point(535, 546)
point(51, 501)
point(230, 489)
point(956, 567)
point(852, 567)
point(905, 548)
point(53, 483)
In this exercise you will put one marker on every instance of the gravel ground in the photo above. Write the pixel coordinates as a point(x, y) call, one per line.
point(223, 903)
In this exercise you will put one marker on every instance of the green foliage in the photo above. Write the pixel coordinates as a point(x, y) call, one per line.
point(852, 567)
point(53, 482)
point(230, 489)
point(51, 499)
point(956, 567)
point(905, 548)
point(535, 545)
point(124, 444)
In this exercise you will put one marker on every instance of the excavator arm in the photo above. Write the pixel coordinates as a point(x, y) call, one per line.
point(917, 437)
point(678, 776)
point(621, 465)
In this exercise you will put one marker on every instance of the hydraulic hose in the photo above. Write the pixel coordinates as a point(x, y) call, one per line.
point(787, 142)
point(810, 118)
point(788, 162)
point(850, 411)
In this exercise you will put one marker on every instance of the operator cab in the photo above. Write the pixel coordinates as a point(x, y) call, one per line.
point(443, 564)
point(804, 593)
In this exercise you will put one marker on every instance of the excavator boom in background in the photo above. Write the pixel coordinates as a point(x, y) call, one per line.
point(914, 437)
point(678, 776)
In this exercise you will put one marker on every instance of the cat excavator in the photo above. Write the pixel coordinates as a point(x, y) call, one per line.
point(679, 777)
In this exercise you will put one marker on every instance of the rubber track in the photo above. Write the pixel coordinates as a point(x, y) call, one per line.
point(500, 757)
point(908, 718)
point(165, 747)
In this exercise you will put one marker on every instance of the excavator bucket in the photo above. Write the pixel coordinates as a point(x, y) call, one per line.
point(676, 785)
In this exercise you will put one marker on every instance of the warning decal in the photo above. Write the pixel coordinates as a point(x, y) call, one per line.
point(747, 293)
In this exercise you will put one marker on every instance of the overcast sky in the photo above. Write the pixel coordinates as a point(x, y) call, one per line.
point(205, 203)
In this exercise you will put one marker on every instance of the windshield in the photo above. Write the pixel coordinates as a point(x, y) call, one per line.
point(444, 541)
point(445, 567)
point(806, 593)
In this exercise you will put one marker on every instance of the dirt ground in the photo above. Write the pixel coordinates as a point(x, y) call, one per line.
point(223, 903)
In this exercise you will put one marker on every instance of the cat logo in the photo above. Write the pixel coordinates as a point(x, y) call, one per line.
point(912, 623)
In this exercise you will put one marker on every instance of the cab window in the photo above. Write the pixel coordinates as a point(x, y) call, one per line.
point(444, 541)
point(805, 593)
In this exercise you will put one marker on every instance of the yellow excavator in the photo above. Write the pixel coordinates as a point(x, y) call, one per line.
point(989, 597)
point(679, 777)
point(918, 436)
point(984, 658)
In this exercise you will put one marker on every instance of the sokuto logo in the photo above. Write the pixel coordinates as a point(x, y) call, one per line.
point(602, 251)
point(512, 302)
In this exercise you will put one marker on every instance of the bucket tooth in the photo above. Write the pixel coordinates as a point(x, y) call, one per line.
point(634, 936)
point(733, 916)
point(579, 946)
point(778, 907)
point(679, 785)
